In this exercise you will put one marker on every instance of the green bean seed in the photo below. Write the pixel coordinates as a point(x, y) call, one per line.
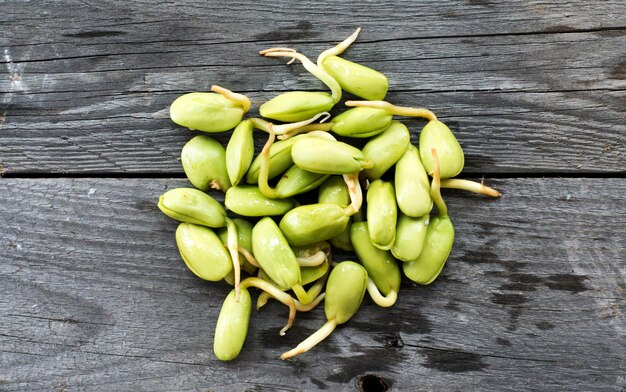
point(352, 77)
point(344, 293)
point(247, 200)
point(296, 105)
point(280, 160)
point(386, 149)
point(361, 122)
point(240, 151)
point(209, 112)
point(334, 190)
point(382, 214)
point(357, 79)
point(232, 325)
point(274, 255)
point(311, 223)
point(192, 206)
point(438, 136)
point(410, 237)
point(203, 160)
point(319, 155)
point(381, 267)
point(297, 180)
point(439, 239)
point(203, 252)
point(300, 105)
point(276, 258)
point(244, 243)
point(412, 185)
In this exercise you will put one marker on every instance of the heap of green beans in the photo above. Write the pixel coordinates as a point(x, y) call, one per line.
point(280, 243)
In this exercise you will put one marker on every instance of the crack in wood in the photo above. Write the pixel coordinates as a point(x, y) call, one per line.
point(461, 352)
point(60, 320)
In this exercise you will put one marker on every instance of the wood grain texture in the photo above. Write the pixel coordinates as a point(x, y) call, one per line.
point(244, 21)
point(95, 297)
point(528, 87)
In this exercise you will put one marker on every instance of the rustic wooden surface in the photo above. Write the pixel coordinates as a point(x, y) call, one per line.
point(95, 297)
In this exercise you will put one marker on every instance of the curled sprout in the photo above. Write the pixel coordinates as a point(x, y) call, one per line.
point(276, 293)
point(316, 71)
point(351, 180)
point(312, 340)
point(315, 291)
point(354, 189)
point(393, 109)
point(476, 187)
point(287, 130)
point(306, 308)
point(265, 296)
point(249, 257)
point(317, 287)
point(264, 171)
point(279, 49)
point(378, 298)
point(313, 260)
point(302, 294)
point(338, 49)
point(321, 127)
point(239, 98)
point(309, 261)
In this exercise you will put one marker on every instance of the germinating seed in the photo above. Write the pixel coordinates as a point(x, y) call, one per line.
point(280, 240)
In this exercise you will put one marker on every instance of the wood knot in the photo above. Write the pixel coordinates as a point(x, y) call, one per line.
point(372, 383)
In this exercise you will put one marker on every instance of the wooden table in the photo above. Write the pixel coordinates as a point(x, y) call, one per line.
point(94, 294)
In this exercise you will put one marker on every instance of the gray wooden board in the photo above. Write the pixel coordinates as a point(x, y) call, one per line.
point(94, 296)
point(245, 21)
point(566, 132)
point(91, 96)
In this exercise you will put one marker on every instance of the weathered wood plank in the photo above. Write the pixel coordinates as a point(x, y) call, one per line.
point(501, 132)
point(95, 297)
point(245, 21)
point(89, 96)
point(508, 62)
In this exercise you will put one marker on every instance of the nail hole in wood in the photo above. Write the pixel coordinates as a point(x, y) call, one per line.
point(372, 383)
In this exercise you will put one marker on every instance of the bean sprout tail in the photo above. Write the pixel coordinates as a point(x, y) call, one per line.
point(316, 71)
point(313, 260)
point(240, 98)
point(325, 127)
point(312, 340)
point(476, 187)
point(378, 298)
point(276, 49)
point(306, 308)
point(339, 48)
point(276, 293)
point(264, 171)
point(301, 294)
point(249, 257)
point(260, 123)
point(356, 195)
point(317, 287)
point(393, 109)
point(286, 128)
